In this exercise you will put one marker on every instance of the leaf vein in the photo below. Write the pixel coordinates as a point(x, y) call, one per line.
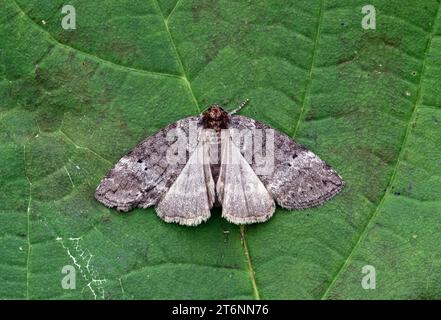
point(112, 64)
point(311, 68)
point(418, 101)
point(250, 269)
point(178, 58)
point(28, 227)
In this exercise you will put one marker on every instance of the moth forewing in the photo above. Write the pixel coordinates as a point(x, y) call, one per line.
point(257, 147)
point(191, 196)
point(210, 155)
point(263, 151)
point(177, 151)
point(243, 196)
point(143, 175)
point(244, 139)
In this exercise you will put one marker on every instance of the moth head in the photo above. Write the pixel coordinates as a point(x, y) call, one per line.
point(215, 117)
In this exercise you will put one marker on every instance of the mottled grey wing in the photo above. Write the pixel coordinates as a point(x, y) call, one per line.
point(243, 196)
point(191, 196)
point(142, 177)
point(300, 179)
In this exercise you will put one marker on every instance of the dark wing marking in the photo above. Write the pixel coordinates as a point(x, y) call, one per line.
point(300, 179)
point(142, 177)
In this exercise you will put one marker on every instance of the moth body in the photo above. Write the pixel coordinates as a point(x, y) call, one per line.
point(214, 120)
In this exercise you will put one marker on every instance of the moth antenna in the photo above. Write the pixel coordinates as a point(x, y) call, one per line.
point(240, 106)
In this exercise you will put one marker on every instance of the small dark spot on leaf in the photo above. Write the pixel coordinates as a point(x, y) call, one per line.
point(139, 160)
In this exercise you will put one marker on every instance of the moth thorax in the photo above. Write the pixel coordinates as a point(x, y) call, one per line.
point(215, 118)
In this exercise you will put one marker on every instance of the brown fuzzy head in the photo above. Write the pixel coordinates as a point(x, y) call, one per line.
point(215, 118)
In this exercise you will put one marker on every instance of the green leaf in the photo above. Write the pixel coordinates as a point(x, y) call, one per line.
point(72, 102)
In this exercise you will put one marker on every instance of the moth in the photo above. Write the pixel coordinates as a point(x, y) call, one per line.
point(221, 166)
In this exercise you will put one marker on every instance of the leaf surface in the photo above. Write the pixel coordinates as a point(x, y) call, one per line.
point(72, 102)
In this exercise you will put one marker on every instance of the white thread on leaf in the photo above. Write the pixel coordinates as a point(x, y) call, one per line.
point(82, 258)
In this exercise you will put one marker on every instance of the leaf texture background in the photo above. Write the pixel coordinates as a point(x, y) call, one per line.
point(368, 102)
